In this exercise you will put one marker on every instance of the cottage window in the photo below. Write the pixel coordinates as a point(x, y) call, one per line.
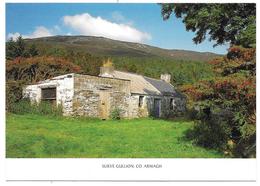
point(171, 104)
point(141, 101)
point(49, 93)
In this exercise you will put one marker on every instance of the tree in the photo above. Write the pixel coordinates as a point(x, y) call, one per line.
point(230, 100)
point(33, 51)
point(34, 69)
point(10, 49)
point(223, 23)
point(19, 48)
point(226, 103)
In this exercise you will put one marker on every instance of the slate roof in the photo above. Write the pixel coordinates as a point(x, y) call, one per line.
point(145, 85)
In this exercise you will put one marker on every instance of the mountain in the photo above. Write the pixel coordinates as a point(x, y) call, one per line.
point(107, 47)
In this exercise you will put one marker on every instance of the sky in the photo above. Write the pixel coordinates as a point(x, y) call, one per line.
point(141, 23)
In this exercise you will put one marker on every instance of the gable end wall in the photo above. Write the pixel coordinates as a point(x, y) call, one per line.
point(87, 100)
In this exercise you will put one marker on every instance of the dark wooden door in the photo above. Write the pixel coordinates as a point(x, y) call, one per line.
point(157, 109)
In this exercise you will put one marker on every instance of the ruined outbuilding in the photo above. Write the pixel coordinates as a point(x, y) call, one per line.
point(97, 96)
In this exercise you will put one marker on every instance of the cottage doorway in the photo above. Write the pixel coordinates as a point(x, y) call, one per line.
point(157, 107)
point(104, 105)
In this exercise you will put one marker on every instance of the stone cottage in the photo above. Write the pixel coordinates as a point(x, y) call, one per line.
point(97, 96)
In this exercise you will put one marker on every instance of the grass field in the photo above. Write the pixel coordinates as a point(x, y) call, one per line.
point(33, 136)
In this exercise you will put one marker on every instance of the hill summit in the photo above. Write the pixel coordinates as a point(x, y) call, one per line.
point(107, 47)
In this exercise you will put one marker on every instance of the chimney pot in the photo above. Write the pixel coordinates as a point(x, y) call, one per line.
point(166, 77)
point(106, 71)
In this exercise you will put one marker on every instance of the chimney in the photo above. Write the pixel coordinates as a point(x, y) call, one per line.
point(166, 77)
point(107, 69)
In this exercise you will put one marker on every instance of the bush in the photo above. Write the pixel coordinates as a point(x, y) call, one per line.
point(213, 133)
point(192, 114)
point(246, 148)
point(14, 93)
point(115, 114)
point(213, 129)
point(24, 106)
point(224, 130)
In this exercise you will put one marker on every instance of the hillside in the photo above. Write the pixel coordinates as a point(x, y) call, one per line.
point(107, 47)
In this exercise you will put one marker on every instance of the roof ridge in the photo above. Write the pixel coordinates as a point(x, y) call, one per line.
point(155, 79)
point(128, 72)
point(140, 75)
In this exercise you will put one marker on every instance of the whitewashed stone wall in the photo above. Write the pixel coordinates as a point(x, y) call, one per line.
point(33, 92)
point(65, 91)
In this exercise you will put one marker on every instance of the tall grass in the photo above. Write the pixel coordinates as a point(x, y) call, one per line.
point(24, 106)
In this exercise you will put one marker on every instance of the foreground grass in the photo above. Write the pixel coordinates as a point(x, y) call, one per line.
point(31, 136)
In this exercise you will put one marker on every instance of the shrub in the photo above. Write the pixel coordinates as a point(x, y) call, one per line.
point(225, 130)
point(22, 106)
point(212, 133)
point(115, 114)
point(13, 93)
point(192, 114)
point(35, 69)
point(246, 147)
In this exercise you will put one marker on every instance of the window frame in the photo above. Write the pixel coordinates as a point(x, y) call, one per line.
point(140, 101)
point(44, 98)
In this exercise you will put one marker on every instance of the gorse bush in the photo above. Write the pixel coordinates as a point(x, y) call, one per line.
point(43, 108)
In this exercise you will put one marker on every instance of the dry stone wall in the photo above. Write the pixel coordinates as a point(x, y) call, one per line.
point(87, 90)
point(166, 110)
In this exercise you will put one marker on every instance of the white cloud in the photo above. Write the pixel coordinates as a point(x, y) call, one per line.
point(96, 26)
point(13, 35)
point(39, 31)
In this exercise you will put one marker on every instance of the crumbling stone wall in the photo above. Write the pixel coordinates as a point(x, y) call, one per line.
point(147, 109)
point(134, 110)
point(120, 100)
point(80, 95)
point(87, 89)
point(172, 109)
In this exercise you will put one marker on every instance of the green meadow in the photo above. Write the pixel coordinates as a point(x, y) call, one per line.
point(35, 136)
